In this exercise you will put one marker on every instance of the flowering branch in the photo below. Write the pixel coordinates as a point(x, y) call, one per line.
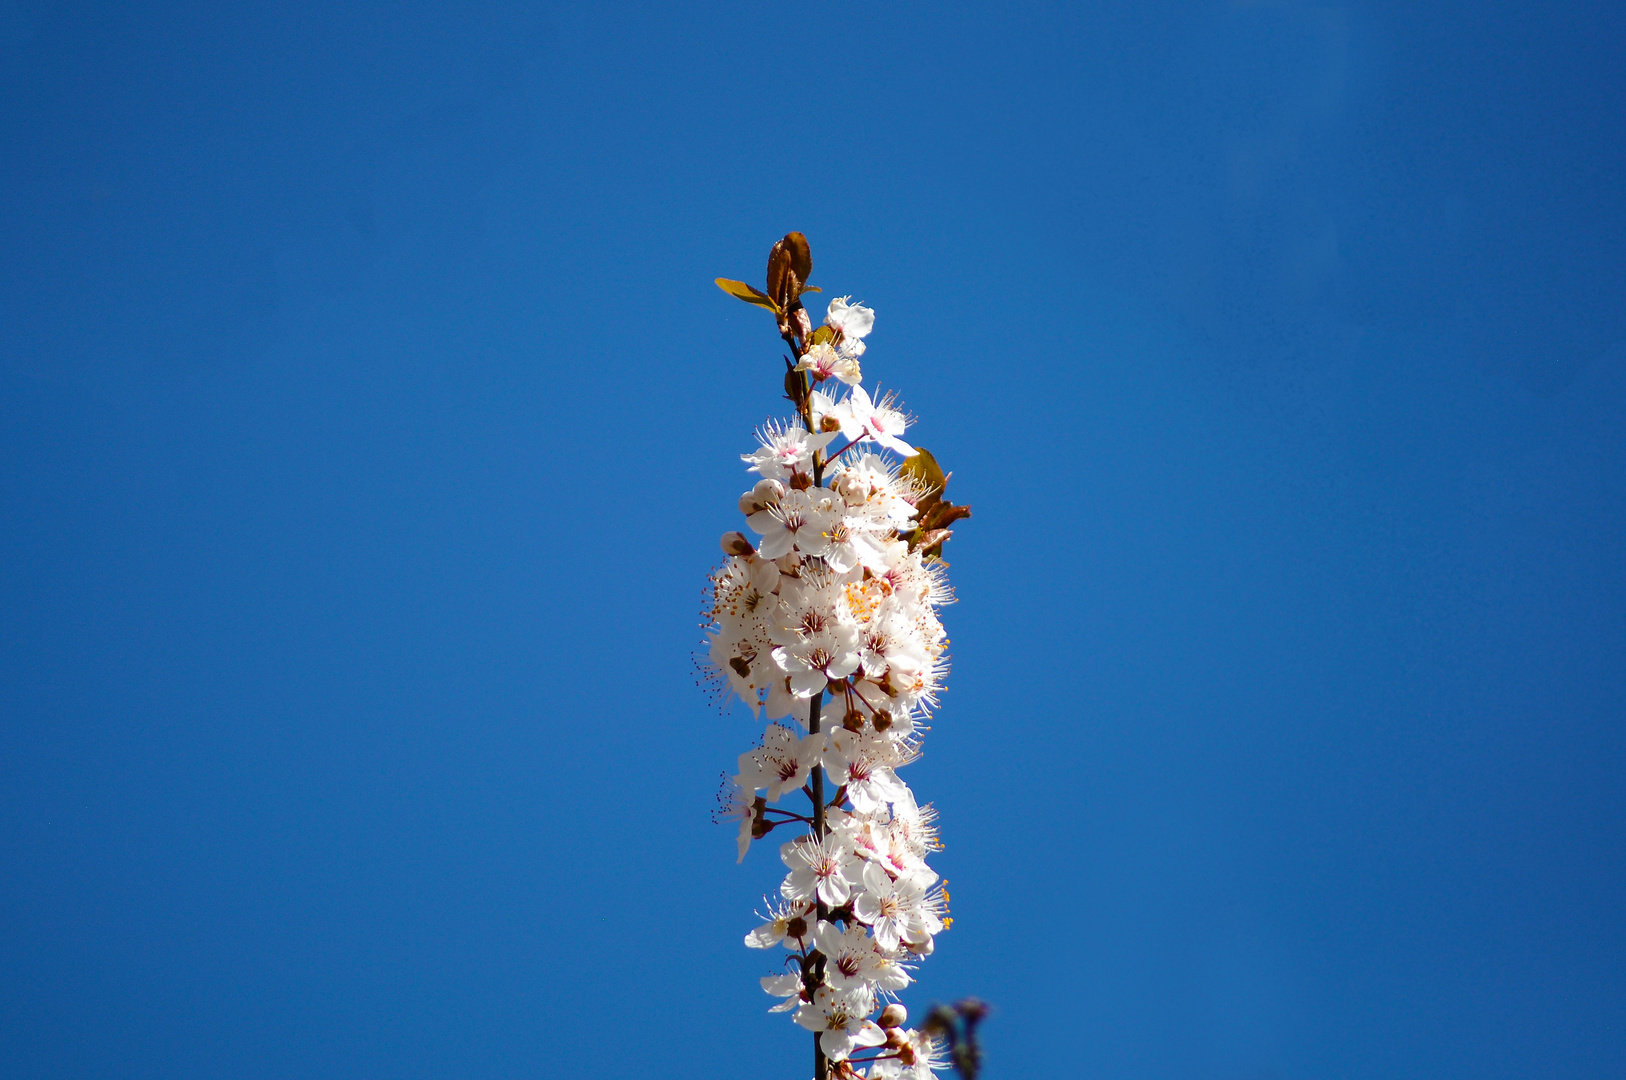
point(830, 617)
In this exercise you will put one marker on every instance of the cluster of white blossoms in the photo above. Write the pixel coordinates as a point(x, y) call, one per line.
point(827, 623)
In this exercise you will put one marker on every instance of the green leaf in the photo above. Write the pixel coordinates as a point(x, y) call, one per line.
point(741, 291)
point(924, 469)
point(823, 335)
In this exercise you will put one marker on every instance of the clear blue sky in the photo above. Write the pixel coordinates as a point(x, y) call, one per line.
point(368, 419)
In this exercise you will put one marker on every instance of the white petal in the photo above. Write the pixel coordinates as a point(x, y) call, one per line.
point(805, 684)
point(763, 937)
point(782, 985)
point(834, 891)
point(869, 1033)
point(892, 442)
point(835, 1044)
point(776, 542)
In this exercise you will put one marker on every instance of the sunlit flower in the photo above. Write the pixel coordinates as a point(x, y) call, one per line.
point(861, 418)
point(826, 361)
point(826, 869)
point(785, 451)
point(781, 763)
point(791, 924)
point(855, 321)
point(841, 1016)
point(787, 986)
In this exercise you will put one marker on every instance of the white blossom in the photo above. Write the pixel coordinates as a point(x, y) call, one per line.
point(842, 1017)
point(894, 910)
point(789, 924)
point(826, 869)
point(855, 321)
point(879, 421)
point(799, 521)
point(827, 361)
point(781, 763)
point(787, 986)
point(862, 766)
point(851, 961)
point(918, 1058)
point(786, 450)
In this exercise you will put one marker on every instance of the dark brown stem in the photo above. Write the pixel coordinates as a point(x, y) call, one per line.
point(821, 1067)
point(815, 790)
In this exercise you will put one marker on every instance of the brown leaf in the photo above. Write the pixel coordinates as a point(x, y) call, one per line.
point(943, 514)
point(790, 264)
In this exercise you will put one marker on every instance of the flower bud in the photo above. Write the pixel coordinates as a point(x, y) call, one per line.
point(853, 721)
point(853, 489)
point(893, 1016)
point(735, 543)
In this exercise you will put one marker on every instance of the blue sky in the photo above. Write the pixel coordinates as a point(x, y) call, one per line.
point(369, 420)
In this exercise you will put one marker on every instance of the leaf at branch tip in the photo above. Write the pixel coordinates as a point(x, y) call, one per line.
point(790, 264)
point(797, 253)
point(823, 335)
point(741, 291)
